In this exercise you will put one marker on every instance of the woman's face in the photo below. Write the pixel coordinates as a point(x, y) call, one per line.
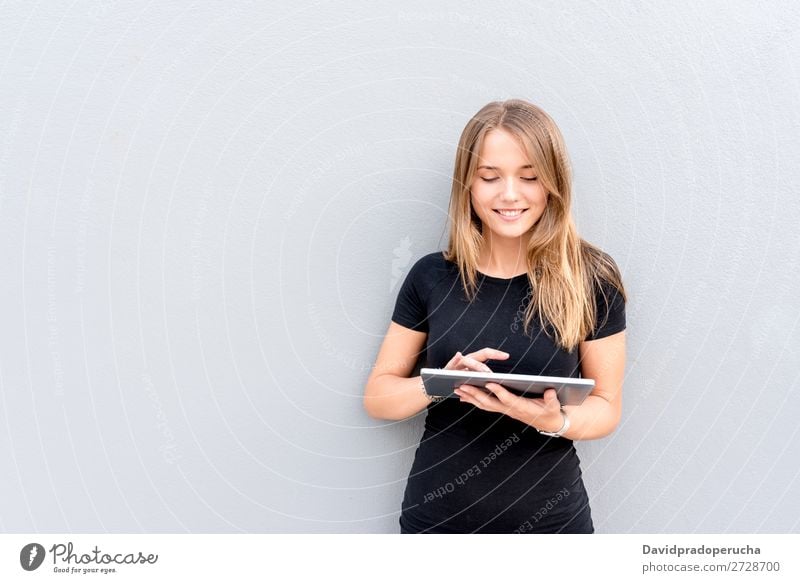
point(505, 181)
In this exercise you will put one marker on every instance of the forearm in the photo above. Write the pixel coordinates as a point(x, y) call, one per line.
point(595, 418)
point(393, 397)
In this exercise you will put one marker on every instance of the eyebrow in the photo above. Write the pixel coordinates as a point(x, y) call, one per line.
point(495, 167)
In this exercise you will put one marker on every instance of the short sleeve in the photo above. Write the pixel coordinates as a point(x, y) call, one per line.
point(610, 307)
point(410, 309)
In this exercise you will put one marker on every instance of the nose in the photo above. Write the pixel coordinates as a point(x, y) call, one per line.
point(508, 191)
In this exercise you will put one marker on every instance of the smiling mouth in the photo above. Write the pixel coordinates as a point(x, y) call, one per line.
point(509, 212)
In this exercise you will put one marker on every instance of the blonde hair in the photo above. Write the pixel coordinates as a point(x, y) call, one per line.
point(562, 267)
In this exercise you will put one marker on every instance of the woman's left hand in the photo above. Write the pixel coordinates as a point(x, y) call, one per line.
point(542, 413)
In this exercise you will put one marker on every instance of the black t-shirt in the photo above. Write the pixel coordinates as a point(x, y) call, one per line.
point(475, 470)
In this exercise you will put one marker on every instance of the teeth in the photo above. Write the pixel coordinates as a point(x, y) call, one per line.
point(510, 213)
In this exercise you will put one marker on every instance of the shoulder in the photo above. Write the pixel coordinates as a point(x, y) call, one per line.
point(603, 270)
point(430, 266)
point(431, 259)
point(430, 270)
point(597, 259)
point(608, 291)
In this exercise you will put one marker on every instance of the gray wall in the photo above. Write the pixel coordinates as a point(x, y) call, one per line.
point(206, 211)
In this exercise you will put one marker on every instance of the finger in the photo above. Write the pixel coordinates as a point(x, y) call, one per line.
point(551, 399)
point(471, 390)
point(502, 394)
point(506, 401)
point(469, 394)
point(485, 399)
point(464, 393)
point(454, 361)
point(467, 398)
point(485, 354)
point(474, 364)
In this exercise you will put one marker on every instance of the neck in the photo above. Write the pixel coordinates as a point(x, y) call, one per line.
point(503, 257)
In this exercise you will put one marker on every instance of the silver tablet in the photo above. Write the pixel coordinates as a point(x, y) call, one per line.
point(441, 382)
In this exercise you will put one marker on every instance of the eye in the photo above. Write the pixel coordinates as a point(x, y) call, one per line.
point(495, 179)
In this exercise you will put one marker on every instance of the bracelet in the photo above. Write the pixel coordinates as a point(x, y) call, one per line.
point(431, 398)
point(560, 432)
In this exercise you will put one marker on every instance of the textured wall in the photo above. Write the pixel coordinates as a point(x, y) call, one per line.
point(206, 210)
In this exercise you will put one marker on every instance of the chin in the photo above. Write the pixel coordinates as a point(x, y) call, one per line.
point(512, 233)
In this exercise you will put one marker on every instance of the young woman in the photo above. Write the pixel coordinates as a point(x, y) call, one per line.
point(517, 288)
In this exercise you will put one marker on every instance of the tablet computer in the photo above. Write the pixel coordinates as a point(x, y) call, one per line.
point(441, 382)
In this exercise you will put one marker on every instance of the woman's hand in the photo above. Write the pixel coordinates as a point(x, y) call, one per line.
point(475, 360)
point(543, 414)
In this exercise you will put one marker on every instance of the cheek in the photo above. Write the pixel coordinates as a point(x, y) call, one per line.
point(538, 197)
point(479, 198)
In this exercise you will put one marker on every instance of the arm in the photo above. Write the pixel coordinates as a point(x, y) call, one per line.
point(602, 360)
point(598, 416)
point(389, 393)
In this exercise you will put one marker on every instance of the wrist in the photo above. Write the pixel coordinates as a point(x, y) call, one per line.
point(555, 426)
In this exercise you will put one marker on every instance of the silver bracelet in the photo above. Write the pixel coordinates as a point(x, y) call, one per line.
point(560, 432)
point(431, 398)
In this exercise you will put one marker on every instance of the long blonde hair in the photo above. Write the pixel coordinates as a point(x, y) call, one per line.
point(562, 267)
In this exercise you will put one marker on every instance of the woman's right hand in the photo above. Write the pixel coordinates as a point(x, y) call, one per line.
point(476, 360)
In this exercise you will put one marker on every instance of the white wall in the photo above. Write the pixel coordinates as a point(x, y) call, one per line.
point(202, 204)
